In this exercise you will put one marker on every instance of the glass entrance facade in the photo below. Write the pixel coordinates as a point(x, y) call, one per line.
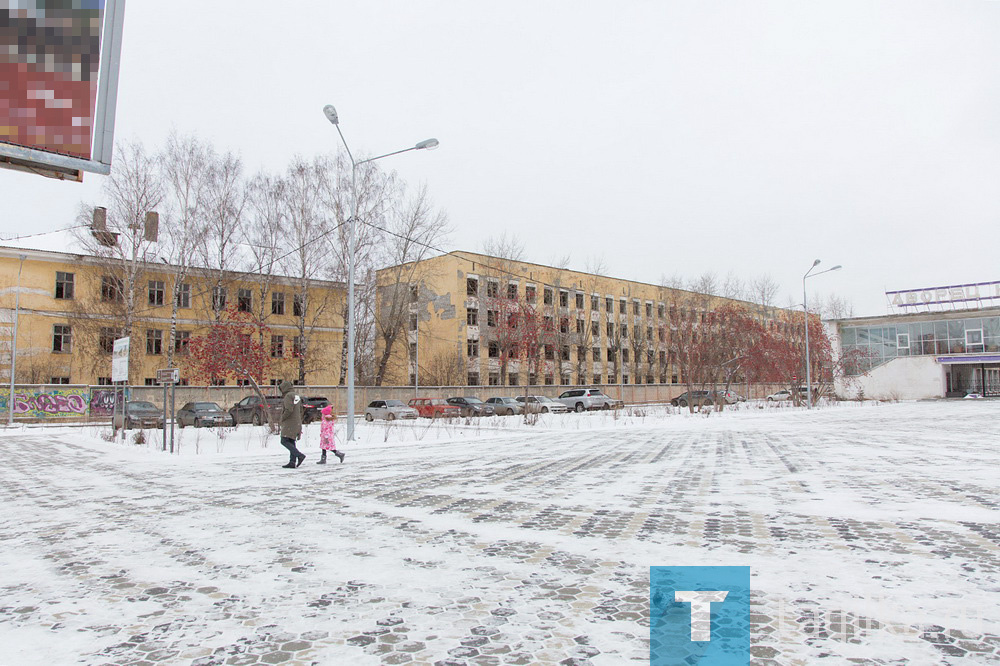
point(878, 344)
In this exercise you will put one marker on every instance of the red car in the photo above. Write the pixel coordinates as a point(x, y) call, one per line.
point(434, 408)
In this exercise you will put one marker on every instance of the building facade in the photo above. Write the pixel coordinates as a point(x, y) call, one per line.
point(464, 312)
point(70, 307)
point(930, 354)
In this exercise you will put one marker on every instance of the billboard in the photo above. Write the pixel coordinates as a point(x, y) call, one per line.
point(58, 84)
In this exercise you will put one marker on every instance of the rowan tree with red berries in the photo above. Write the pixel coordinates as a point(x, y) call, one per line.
point(231, 348)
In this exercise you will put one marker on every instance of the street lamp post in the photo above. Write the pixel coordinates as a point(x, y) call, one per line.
point(428, 144)
point(13, 342)
point(805, 317)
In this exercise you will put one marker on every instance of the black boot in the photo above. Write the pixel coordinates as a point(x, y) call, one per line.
point(322, 459)
point(339, 455)
point(290, 465)
point(302, 457)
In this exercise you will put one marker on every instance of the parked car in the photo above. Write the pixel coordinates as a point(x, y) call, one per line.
point(584, 399)
point(138, 413)
point(696, 398)
point(252, 409)
point(200, 414)
point(390, 410)
point(505, 406)
point(729, 397)
point(311, 408)
point(434, 408)
point(472, 406)
point(540, 404)
point(786, 394)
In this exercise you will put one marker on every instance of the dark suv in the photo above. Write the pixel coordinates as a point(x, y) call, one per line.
point(696, 398)
point(251, 410)
point(311, 407)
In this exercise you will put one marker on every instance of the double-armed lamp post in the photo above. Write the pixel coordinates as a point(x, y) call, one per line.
point(427, 144)
point(805, 316)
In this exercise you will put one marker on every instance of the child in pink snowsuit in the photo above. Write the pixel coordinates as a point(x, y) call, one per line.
point(327, 421)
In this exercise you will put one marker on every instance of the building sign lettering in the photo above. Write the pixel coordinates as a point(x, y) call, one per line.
point(959, 293)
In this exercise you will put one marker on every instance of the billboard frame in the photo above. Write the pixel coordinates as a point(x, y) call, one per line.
point(63, 167)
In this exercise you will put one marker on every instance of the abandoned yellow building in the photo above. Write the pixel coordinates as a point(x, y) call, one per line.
point(463, 320)
point(69, 308)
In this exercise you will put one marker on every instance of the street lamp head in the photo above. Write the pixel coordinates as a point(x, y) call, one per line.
point(836, 268)
point(815, 263)
point(331, 114)
point(427, 144)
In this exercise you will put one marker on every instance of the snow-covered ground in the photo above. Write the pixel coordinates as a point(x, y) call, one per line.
point(873, 534)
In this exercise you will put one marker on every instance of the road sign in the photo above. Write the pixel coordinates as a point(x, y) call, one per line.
point(168, 375)
point(119, 360)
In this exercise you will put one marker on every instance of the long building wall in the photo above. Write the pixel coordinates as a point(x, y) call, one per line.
point(459, 297)
point(51, 314)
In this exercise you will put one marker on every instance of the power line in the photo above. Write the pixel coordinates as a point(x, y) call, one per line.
point(42, 233)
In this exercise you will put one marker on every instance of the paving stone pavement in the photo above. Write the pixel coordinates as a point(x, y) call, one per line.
point(516, 548)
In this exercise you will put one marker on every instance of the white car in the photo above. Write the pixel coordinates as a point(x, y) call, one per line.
point(390, 410)
point(539, 404)
point(786, 394)
point(584, 399)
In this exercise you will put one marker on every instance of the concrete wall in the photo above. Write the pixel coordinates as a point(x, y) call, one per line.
point(903, 378)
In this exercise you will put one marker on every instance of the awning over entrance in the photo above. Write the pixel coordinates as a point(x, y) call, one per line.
point(978, 359)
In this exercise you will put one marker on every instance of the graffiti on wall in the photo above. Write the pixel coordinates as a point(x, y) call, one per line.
point(102, 400)
point(47, 402)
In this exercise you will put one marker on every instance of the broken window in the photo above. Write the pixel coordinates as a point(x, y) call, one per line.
point(299, 305)
point(662, 335)
point(154, 341)
point(64, 285)
point(649, 332)
point(414, 293)
point(621, 306)
point(624, 356)
point(244, 300)
point(277, 303)
point(62, 339)
point(597, 379)
point(492, 288)
point(491, 317)
point(611, 329)
point(529, 294)
point(547, 296)
point(563, 298)
point(494, 349)
point(218, 298)
point(659, 310)
point(595, 328)
point(277, 346)
point(563, 325)
point(579, 327)
point(512, 291)
point(579, 301)
point(548, 323)
point(624, 330)
point(609, 304)
point(548, 380)
point(512, 379)
point(649, 310)
point(635, 308)
point(596, 353)
point(111, 289)
point(472, 379)
point(611, 354)
point(494, 378)
point(472, 347)
point(593, 302)
point(471, 286)
point(550, 353)
point(564, 353)
point(413, 322)
point(472, 316)
point(581, 353)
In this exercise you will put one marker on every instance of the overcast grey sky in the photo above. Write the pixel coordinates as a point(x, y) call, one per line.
point(666, 137)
